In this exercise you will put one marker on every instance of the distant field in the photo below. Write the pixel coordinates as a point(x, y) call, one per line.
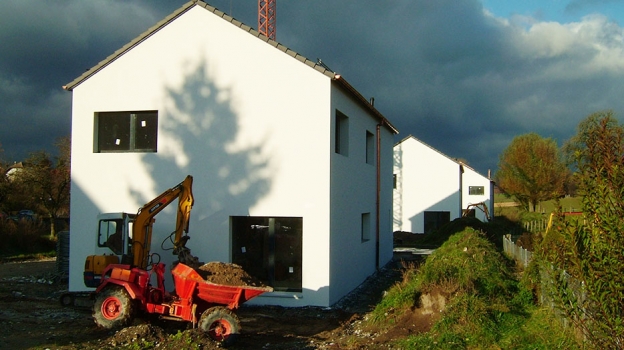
point(504, 205)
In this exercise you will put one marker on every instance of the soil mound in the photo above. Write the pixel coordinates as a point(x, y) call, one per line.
point(139, 334)
point(227, 274)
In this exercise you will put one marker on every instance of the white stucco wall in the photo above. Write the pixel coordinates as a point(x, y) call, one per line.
point(426, 180)
point(249, 122)
point(353, 193)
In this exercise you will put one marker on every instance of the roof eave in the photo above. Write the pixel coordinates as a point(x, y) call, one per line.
point(365, 103)
point(136, 41)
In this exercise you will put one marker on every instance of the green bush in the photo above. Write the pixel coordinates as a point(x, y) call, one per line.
point(591, 250)
point(25, 238)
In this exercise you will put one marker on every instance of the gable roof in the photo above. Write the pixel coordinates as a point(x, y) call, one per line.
point(462, 164)
point(319, 66)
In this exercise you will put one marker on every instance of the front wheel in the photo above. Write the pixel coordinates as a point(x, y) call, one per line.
point(221, 324)
point(113, 308)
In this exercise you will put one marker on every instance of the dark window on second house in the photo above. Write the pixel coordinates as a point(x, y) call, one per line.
point(476, 190)
point(471, 213)
point(126, 131)
point(435, 219)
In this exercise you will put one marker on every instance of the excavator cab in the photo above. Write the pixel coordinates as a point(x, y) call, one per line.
point(115, 233)
point(113, 245)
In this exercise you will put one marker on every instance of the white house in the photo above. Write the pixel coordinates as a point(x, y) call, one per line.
point(431, 189)
point(292, 166)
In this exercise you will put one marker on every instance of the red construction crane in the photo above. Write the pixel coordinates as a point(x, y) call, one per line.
point(266, 18)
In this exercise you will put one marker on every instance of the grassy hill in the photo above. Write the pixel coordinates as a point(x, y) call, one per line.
point(466, 295)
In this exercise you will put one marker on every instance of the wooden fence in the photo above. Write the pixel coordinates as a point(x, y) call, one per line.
point(517, 252)
point(536, 225)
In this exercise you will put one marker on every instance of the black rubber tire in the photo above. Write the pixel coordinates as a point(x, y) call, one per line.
point(67, 299)
point(221, 324)
point(113, 308)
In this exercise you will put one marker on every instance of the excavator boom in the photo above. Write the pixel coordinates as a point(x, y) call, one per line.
point(143, 223)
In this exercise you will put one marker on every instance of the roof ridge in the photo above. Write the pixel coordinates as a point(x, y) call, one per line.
point(177, 13)
point(318, 66)
point(455, 160)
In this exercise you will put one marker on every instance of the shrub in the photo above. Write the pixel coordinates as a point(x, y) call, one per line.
point(24, 238)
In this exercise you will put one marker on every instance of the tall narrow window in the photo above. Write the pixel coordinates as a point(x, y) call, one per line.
point(366, 229)
point(126, 131)
point(370, 147)
point(341, 144)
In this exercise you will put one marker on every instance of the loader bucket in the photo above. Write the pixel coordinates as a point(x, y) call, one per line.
point(185, 279)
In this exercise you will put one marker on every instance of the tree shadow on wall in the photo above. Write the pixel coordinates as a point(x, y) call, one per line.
point(199, 135)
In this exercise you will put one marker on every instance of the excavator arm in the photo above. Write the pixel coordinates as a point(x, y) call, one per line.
point(481, 206)
point(143, 223)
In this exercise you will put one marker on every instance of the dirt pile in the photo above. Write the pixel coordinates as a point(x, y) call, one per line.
point(227, 274)
point(140, 334)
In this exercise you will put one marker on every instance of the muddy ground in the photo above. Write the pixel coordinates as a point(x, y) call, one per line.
point(31, 317)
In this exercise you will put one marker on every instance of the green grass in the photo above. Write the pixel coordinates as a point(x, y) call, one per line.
point(486, 306)
point(546, 207)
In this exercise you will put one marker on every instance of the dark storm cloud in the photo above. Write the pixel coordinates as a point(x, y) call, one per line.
point(44, 45)
point(445, 71)
point(458, 78)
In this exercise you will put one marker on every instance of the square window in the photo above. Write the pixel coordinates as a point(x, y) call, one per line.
point(126, 131)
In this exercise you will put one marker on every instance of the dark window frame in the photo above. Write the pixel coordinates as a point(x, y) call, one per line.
point(476, 190)
point(341, 134)
point(370, 148)
point(365, 227)
point(126, 131)
point(270, 249)
point(434, 219)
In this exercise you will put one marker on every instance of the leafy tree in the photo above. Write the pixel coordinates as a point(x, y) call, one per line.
point(592, 249)
point(530, 169)
point(49, 181)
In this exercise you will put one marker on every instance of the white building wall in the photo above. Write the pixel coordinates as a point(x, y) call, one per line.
point(426, 180)
point(249, 122)
point(471, 178)
point(353, 193)
point(386, 242)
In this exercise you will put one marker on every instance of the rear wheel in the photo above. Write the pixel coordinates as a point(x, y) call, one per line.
point(67, 299)
point(221, 324)
point(113, 308)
